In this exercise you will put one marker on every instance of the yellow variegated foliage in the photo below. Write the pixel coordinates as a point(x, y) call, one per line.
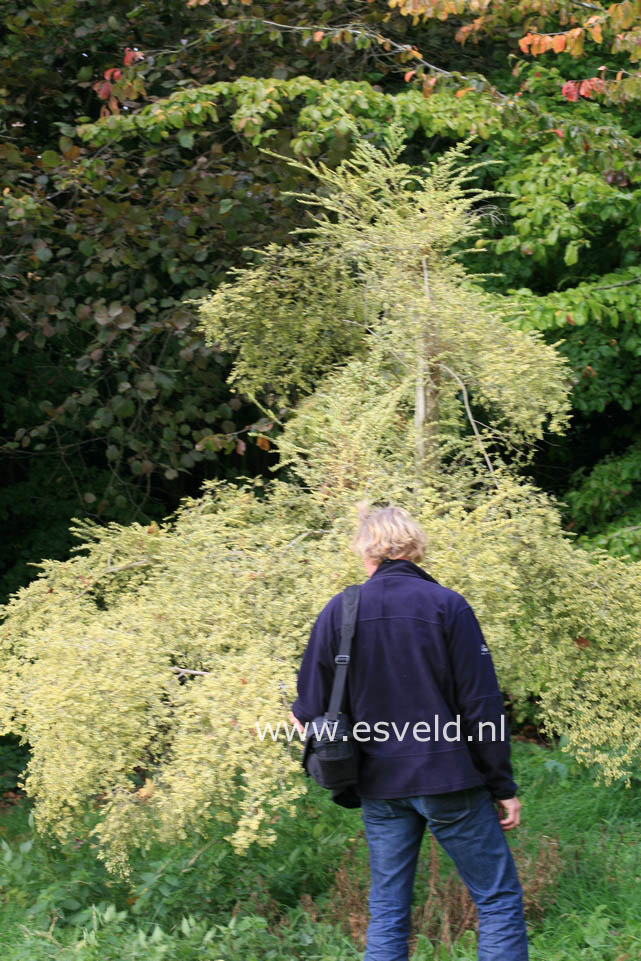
point(376, 266)
point(139, 669)
point(230, 588)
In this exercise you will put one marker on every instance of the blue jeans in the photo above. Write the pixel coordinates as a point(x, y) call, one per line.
point(466, 825)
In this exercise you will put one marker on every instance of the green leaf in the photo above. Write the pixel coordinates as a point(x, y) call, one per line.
point(50, 158)
point(124, 407)
point(43, 253)
point(186, 139)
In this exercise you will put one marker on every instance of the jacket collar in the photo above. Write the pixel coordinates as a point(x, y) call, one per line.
point(388, 567)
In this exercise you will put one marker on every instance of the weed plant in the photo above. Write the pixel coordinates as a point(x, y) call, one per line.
point(305, 897)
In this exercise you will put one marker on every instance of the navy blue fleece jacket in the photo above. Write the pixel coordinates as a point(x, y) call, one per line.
point(419, 663)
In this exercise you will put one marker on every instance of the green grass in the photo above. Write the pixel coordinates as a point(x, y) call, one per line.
point(595, 914)
point(200, 901)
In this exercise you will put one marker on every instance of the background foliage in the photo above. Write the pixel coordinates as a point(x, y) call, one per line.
point(139, 687)
point(110, 229)
point(134, 181)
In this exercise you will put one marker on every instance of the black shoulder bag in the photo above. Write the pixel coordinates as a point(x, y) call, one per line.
point(330, 755)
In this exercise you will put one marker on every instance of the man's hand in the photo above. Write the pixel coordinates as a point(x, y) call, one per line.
point(509, 813)
point(297, 724)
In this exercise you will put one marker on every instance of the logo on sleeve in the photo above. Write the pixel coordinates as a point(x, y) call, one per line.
point(485, 649)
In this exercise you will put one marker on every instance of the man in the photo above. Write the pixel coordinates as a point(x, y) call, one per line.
point(433, 738)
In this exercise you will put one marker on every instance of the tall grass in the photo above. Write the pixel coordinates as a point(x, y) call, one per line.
point(578, 851)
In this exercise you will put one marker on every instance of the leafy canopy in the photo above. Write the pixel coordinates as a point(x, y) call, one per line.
point(377, 270)
point(132, 180)
point(138, 669)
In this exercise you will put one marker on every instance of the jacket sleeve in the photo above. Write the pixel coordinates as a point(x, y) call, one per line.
point(317, 668)
point(480, 704)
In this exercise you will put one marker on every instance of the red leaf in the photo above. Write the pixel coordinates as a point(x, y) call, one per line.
point(585, 88)
point(570, 90)
point(103, 89)
point(582, 642)
point(408, 76)
point(132, 56)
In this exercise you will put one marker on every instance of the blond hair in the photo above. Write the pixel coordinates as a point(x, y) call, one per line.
point(389, 532)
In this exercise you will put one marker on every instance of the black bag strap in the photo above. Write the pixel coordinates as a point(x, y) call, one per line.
point(348, 628)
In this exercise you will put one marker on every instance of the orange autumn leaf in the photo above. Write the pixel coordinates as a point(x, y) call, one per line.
point(596, 33)
point(428, 86)
point(463, 33)
point(318, 36)
point(558, 43)
point(408, 76)
point(574, 45)
point(145, 792)
point(263, 443)
point(524, 42)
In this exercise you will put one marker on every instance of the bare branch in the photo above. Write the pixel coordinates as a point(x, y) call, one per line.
point(390, 46)
point(624, 283)
point(624, 530)
point(588, 6)
point(300, 537)
point(468, 410)
point(183, 671)
point(113, 570)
